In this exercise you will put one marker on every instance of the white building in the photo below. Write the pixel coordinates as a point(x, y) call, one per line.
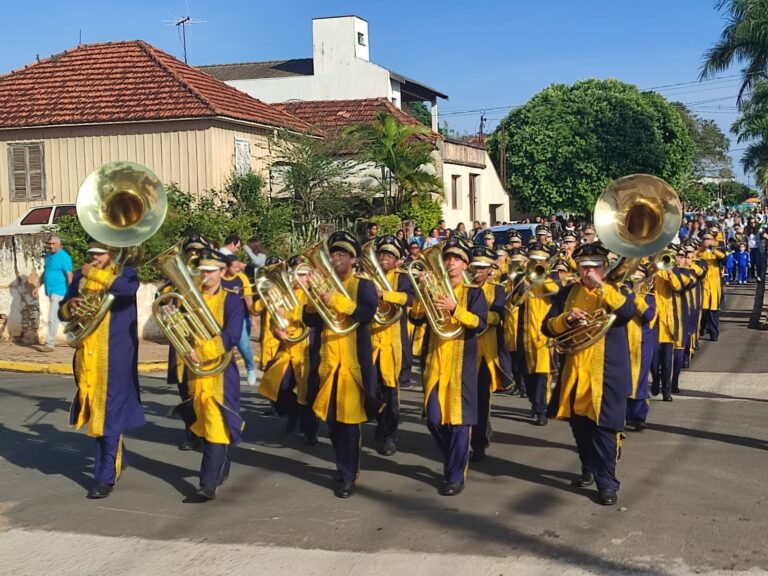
point(340, 52)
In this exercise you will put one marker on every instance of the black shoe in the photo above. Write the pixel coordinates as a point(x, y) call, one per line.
point(586, 479)
point(686, 363)
point(639, 425)
point(451, 488)
point(654, 390)
point(477, 455)
point(345, 490)
point(189, 445)
point(607, 497)
point(310, 440)
point(100, 491)
point(388, 447)
point(713, 338)
point(541, 420)
point(675, 390)
point(206, 493)
point(291, 424)
point(668, 398)
point(522, 393)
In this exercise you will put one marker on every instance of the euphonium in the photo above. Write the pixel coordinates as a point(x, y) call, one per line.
point(321, 277)
point(273, 286)
point(636, 216)
point(435, 284)
point(387, 313)
point(121, 204)
point(184, 317)
point(536, 272)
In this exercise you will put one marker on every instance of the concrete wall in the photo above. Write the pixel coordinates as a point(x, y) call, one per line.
point(23, 317)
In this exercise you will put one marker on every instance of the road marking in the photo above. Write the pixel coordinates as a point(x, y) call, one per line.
point(139, 512)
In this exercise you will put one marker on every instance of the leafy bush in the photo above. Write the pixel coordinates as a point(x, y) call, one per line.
point(388, 224)
point(425, 211)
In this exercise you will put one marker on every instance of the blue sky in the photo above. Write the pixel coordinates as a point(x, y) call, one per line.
point(486, 55)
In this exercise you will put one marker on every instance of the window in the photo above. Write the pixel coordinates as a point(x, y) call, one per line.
point(456, 192)
point(473, 196)
point(242, 156)
point(37, 216)
point(361, 38)
point(69, 210)
point(25, 169)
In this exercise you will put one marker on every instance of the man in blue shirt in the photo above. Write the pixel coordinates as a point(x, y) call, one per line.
point(56, 277)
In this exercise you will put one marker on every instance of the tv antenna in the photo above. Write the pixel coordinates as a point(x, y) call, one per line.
point(181, 23)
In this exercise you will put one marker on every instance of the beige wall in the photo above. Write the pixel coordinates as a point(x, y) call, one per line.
point(197, 155)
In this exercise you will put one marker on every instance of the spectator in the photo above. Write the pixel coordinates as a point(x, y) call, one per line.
point(475, 228)
point(56, 277)
point(414, 248)
point(231, 245)
point(400, 235)
point(373, 231)
point(753, 236)
point(447, 233)
point(555, 227)
point(461, 230)
point(256, 257)
point(434, 238)
point(418, 237)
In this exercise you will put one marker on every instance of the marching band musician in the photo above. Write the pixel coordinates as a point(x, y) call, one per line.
point(343, 388)
point(690, 274)
point(534, 300)
point(713, 288)
point(495, 371)
point(699, 268)
point(216, 399)
point(518, 258)
point(668, 287)
point(449, 367)
point(269, 342)
point(391, 345)
point(594, 383)
point(642, 341)
point(235, 281)
point(285, 379)
point(106, 364)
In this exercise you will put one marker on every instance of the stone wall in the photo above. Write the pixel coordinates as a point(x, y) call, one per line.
point(23, 317)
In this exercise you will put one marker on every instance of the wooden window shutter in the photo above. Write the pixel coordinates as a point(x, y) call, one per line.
point(26, 171)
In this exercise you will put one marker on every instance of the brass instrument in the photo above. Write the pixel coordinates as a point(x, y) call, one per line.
point(435, 284)
point(636, 216)
point(386, 313)
point(121, 205)
point(321, 277)
point(536, 272)
point(273, 286)
point(183, 315)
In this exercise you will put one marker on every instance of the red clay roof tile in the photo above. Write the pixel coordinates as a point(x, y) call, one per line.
point(124, 82)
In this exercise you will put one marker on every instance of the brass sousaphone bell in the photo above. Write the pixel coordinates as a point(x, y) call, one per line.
point(635, 217)
point(121, 204)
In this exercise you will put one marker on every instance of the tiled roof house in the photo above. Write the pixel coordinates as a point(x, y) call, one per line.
point(62, 117)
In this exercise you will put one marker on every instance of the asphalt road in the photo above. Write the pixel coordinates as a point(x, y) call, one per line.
point(692, 498)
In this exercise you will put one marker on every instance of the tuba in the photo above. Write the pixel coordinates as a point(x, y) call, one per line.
point(273, 286)
point(436, 283)
point(321, 277)
point(121, 204)
point(636, 216)
point(183, 315)
point(386, 313)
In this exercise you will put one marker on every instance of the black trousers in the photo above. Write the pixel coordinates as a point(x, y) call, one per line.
point(388, 419)
point(598, 451)
point(482, 431)
point(215, 465)
point(537, 391)
point(661, 369)
point(710, 323)
point(345, 439)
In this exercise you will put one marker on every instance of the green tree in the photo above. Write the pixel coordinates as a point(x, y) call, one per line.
point(709, 143)
point(403, 156)
point(565, 145)
point(732, 192)
point(695, 196)
point(743, 41)
point(751, 127)
point(419, 111)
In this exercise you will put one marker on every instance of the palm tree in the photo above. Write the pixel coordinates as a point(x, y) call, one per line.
point(403, 155)
point(752, 128)
point(744, 39)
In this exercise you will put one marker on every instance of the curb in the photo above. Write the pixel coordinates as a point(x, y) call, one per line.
point(66, 369)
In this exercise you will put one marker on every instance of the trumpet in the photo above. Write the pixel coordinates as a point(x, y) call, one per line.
point(536, 272)
point(321, 277)
point(430, 281)
point(273, 286)
point(386, 313)
point(121, 204)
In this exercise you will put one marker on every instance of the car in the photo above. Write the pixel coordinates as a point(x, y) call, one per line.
point(33, 221)
point(502, 233)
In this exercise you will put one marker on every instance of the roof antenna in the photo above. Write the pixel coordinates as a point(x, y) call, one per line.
point(80, 38)
point(182, 24)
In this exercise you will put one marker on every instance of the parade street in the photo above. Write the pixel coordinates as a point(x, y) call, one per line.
point(692, 498)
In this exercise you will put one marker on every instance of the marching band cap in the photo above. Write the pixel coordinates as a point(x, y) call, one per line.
point(707, 236)
point(517, 255)
point(458, 247)
point(689, 247)
point(95, 247)
point(588, 229)
point(542, 229)
point(483, 257)
point(343, 240)
point(569, 237)
point(593, 254)
point(273, 260)
point(211, 259)
point(561, 266)
point(502, 251)
point(538, 251)
point(194, 241)
point(489, 234)
point(295, 260)
point(514, 236)
point(390, 244)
